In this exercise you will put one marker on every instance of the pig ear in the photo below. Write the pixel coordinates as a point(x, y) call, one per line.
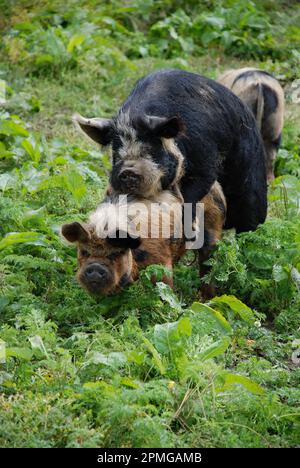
point(98, 129)
point(75, 232)
point(163, 127)
point(123, 240)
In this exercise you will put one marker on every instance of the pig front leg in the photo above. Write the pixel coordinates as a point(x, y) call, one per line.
point(207, 290)
point(193, 191)
point(155, 252)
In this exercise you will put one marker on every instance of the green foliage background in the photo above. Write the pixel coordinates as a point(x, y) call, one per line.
point(150, 367)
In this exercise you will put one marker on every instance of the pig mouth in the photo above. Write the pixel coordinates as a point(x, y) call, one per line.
point(93, 287)
point(96, 290)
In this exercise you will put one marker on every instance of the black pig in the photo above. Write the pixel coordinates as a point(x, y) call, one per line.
point(182, 128)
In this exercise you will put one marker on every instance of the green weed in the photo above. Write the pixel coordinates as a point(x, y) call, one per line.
point(150, 367)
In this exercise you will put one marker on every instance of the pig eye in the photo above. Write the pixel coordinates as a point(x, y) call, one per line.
point(84, 253)
point(114, 255)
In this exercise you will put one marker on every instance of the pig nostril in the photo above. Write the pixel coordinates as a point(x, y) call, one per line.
point(129, 178)
point(94, 274)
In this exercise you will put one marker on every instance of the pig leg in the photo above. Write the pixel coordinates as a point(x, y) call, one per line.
point(194, 190)
point(207, 290)
point(167, 279)
point(271, 148)
point(155, 251)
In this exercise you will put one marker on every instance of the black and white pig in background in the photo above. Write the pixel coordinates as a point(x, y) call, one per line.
point(265, 97)
point(180, 128)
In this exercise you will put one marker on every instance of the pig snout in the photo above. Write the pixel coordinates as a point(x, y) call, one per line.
point(129, 180)
point(127, 177)
point(96, 277)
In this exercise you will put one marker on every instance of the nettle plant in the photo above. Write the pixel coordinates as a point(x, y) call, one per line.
point(43, 45)
point(261, 267)
point(109, 36)
point(236, 28)
point(35, 165)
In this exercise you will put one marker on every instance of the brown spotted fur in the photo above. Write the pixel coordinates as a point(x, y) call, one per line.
point(161, 251)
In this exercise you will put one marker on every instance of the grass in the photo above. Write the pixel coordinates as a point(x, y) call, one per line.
point(149, 367)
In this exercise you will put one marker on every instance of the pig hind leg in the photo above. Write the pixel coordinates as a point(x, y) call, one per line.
point(271, 148)
point(245, 186)
point(271, 128)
